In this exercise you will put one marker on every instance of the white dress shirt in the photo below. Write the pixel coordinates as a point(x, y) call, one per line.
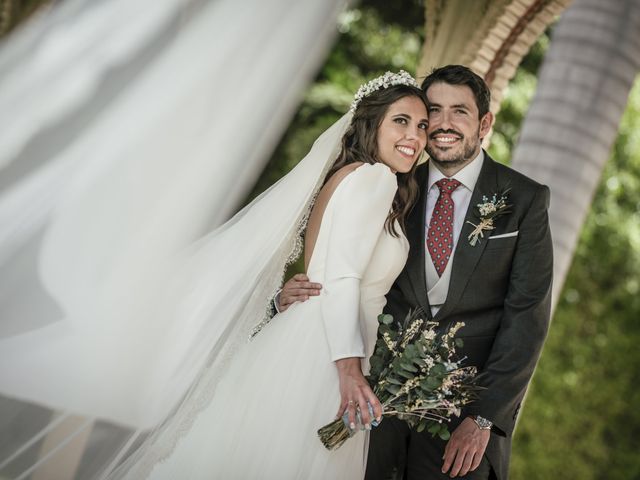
point(438, 286)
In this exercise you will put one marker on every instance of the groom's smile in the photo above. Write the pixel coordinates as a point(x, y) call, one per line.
point(445, 139)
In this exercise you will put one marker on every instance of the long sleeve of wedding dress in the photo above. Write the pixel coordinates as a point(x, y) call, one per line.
point(354, 226)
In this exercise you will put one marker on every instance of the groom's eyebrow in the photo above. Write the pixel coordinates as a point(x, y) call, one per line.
point(461, 105)
point(457, 105)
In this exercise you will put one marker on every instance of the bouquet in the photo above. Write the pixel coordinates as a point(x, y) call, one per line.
point(415, 375)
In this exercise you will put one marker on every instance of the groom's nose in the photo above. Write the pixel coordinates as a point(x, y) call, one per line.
point(443, 120)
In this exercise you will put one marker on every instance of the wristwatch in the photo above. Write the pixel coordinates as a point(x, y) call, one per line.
point(483, 423)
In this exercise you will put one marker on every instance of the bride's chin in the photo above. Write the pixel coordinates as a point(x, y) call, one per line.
point(407, 168)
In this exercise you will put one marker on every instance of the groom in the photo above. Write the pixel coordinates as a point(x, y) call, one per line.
point(500, 286)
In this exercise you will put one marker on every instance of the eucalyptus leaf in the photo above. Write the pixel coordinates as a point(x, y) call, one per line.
point(419, 362)
point(430, 383)
point(409, 367)
point(375, 362)
point(382, 329)
point(393, 389)
point(411, 351)
point(394, 381)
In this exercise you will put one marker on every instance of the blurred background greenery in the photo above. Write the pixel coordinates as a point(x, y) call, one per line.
point(580, 420)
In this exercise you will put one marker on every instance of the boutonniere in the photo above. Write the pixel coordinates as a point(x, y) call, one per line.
point(487, 212)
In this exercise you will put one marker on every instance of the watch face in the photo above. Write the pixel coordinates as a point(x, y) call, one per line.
point(483, 422)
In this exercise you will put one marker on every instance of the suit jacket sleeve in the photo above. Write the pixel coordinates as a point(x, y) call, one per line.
point(355, 222)
point(523, 328)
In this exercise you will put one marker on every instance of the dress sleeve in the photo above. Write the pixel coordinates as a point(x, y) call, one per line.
point(356, 220)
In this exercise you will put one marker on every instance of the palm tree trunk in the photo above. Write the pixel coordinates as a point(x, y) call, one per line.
point(573, 120)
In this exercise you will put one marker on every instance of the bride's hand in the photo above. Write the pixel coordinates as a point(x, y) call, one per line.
point(354, 392)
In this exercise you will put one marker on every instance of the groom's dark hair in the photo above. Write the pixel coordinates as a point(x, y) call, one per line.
point(461, 75)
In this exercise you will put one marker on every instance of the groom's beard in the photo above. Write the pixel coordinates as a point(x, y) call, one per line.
point(466, 153)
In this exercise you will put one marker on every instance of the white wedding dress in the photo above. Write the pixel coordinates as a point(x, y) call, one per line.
point(281, 387)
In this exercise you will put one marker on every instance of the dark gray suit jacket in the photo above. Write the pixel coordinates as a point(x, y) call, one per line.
point(500, 288)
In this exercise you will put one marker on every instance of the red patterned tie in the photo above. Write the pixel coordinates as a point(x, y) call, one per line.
point(440, 235)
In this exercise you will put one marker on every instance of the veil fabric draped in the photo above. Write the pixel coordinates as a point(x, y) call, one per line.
point(133, 128)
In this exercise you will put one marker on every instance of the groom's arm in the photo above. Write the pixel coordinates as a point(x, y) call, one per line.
point(297, 289)
point(524, 323)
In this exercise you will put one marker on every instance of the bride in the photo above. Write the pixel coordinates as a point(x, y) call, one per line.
point(286, 383)
point(158, 346)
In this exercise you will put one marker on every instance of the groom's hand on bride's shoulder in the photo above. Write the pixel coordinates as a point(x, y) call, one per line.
point(465, 448)
point(297, 289)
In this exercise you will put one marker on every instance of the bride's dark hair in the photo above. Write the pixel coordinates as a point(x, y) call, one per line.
point(360, 144)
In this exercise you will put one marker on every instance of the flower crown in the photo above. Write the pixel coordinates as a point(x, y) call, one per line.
point(387, 80)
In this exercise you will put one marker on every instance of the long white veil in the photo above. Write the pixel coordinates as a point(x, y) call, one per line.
point(131, 129)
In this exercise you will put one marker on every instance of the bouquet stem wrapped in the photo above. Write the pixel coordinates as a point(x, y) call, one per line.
point(416, 376)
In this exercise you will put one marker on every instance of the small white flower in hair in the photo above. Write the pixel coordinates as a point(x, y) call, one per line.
point(387, 80)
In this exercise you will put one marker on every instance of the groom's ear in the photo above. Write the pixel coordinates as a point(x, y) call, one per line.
point(485, 124)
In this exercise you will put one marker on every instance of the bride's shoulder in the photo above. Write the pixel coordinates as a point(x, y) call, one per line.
point(361, 172)
point(357, 180)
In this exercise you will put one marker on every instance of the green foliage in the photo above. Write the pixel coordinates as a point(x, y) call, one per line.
point(509, 119)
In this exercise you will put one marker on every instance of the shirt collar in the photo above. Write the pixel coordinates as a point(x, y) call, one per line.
point(468, 176)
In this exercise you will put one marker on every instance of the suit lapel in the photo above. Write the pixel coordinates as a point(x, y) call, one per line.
point(415, 266)
point(466, 256)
